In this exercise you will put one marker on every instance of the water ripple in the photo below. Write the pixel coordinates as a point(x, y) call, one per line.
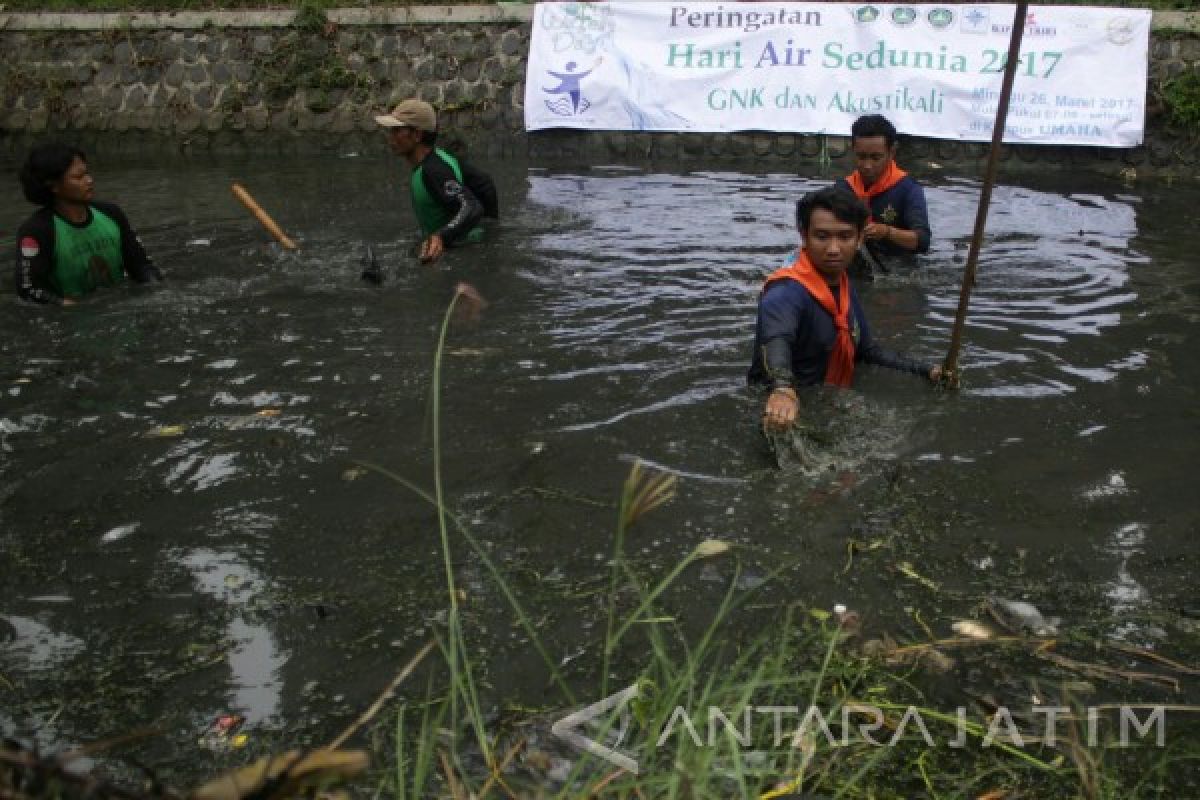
point(648, 283)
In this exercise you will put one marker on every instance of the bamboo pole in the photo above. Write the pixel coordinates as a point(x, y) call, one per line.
point(262, 216)
point(950, 365)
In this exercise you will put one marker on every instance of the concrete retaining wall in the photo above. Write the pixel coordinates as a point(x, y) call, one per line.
point(275, 79)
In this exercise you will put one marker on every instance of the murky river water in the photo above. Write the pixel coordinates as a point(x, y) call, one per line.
point(244, 562)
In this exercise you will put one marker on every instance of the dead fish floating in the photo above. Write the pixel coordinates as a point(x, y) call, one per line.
point(372, 273)
point(1017, 615)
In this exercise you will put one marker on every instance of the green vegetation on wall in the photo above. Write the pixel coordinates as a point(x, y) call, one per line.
point(1182, 97)
point(307, 57)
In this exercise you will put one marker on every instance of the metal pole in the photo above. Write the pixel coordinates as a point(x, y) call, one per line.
point(950, 365)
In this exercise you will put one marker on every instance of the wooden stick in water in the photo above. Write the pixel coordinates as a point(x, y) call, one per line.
point(262, 216)
point(950, 366)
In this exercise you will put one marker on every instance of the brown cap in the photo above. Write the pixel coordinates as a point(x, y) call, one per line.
point(413, 113)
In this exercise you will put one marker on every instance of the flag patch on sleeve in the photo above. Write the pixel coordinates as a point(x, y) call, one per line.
point(29, 247)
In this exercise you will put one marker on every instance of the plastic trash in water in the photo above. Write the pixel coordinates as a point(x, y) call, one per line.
point(372, 273)
point(120, 532)
point(224, 733)
point(166, 432)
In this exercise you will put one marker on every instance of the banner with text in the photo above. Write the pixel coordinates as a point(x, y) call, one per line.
point(933, 70)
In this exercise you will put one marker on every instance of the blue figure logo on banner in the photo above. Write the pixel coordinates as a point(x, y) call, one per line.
point(573, 102)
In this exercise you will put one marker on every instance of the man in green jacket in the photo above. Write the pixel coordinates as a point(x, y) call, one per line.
point(450, 197)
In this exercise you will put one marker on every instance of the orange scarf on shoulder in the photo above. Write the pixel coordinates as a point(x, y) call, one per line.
point(890, 177)
point(840, 371)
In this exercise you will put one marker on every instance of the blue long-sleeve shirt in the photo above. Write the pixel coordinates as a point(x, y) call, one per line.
point(794, 336)
point(904, 206)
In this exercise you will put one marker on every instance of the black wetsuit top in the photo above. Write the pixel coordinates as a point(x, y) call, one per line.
point(468, 204)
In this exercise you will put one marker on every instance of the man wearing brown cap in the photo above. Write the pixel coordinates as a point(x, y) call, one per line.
point(450, 197)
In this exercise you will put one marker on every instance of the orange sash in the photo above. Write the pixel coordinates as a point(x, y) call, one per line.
point(890, 177)
point(840, 371)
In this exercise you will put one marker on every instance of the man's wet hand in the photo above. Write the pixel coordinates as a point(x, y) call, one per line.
point(877, 230)
point(780, 412)
point(943, 378)
point(432, 249)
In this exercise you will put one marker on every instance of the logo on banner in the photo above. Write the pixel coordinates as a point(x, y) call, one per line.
point(1120, 30)
point(940, 17)
point(1032, 28)
point(865, 14)
point(975, 20)
point(569, 100)
point(903, 15)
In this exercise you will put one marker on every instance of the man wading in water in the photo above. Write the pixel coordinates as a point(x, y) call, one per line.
point(73, 243)
point(450, 197)
point(899, 221)
point(811, 327)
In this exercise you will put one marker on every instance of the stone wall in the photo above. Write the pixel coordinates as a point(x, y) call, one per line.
point(261, 80)
point(214, 79)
